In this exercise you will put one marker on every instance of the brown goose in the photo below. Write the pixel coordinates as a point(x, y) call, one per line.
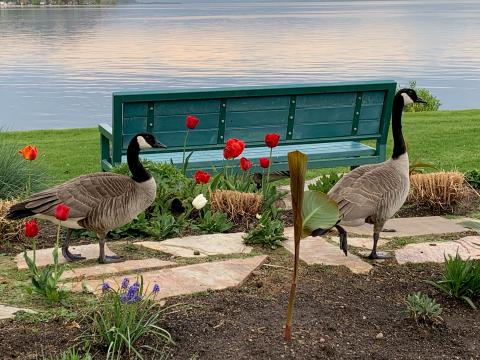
point(374, 193)
point(98, 202)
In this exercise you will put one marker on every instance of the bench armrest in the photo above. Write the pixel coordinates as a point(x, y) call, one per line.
point(106, 131)
point(106, 140)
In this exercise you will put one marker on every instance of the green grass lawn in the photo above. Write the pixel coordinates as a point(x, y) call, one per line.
point(448, 139)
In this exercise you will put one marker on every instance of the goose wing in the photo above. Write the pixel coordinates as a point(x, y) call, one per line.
point(81, 194)
point(349, 179)
point(375, 188)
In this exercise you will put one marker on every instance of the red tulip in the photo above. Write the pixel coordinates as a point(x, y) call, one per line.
point(245, 164)
point(29, 152)
point(31, 228)
point(272, 140)
point(233, 148)
point(264, 162)
point(201, 177)
point(61, 212)
point(191, 122)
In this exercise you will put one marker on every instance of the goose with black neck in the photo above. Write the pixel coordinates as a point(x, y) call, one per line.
point(374, 193)
point(98, 202)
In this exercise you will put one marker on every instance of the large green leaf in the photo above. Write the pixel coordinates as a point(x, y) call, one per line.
point(318, 212)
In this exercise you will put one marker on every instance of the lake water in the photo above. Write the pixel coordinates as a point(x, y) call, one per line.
point(59, 66)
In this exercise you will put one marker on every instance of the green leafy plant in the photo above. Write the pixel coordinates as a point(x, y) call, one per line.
point(318, 212)
point(163, 226)
point(17, 175)
point(460, 279)
point(44, 281)
point(268, 232)
point(423, 309)
point(125, 316)
point(433, 103)
point(419, 167)
point(72, 354)
point(212, 222)
point(473, 178)
point(325, 182)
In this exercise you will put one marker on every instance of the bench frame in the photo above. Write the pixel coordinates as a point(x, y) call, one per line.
point(111, 139)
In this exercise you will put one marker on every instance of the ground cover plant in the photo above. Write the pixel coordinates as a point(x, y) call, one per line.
point(423, 309)
point(460, 279)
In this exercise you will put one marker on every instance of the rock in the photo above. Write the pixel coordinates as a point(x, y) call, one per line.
point(379, 336)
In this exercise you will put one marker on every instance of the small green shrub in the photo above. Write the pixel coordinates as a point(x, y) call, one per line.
point(433, 103)
point(72, 354)
point(125, 316)
point(460, 279)
point(325, 182)
point(45, 280)
point(15, 172)
point(423, 309)
point(473, 178)
point(214, 222)
point(268, 232)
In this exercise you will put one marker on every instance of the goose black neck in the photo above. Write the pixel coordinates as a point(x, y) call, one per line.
point(399, 147)
point(139, 173)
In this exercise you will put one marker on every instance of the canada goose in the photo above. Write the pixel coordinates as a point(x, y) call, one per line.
point(374, 193)
point(98, 202)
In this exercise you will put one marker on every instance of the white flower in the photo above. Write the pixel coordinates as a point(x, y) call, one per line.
point(258, 216)
point(199, 202)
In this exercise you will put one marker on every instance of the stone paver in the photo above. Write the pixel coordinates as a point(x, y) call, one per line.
point(414, 226)
point(44, 256)
point(468, 246)
point(8, 312)
point(365, 243)
point(103, 269)
point(209, 244)
point(189, 279)
point(318, 251)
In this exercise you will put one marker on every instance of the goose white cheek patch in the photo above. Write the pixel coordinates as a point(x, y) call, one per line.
point(142, 143)
point(407, 99)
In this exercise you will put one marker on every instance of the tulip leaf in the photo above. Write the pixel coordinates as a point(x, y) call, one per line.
point(318, 212)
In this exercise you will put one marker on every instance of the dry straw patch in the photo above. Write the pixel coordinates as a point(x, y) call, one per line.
point(445, 190)
point(235, 203)
point(9, 229)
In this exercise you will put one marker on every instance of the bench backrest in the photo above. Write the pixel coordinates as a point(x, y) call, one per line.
point(299, 113)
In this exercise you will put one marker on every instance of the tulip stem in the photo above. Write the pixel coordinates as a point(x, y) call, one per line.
point(184, 169)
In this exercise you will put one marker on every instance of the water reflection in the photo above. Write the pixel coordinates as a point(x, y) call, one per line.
point(59, 66)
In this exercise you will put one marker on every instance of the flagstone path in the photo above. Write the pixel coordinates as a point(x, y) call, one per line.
point(8, 312)
point(316, 250)
point(203, 245)
point(187, 279)
point(414, 226)
point(44, 256)
point(115, 268)
point(467, 247)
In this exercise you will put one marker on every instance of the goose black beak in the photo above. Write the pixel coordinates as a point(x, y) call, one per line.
point(420, 100)
point(159, 145)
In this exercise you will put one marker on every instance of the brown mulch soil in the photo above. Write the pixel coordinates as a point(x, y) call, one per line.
point(338, 315)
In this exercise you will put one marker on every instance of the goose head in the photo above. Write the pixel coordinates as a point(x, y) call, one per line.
point(409, 96)
point(147, 141)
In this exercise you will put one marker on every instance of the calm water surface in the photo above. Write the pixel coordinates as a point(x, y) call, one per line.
point(59, 66)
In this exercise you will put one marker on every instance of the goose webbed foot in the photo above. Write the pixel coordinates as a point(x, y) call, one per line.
point(71, 257)
point(110, 259)
point(377, 256)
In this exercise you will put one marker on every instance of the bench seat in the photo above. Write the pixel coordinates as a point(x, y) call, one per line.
point(322, 155)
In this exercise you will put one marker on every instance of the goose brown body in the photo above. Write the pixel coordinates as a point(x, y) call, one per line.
point(98, 202)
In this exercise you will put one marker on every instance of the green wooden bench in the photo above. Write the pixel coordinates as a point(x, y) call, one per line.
point(328, 122)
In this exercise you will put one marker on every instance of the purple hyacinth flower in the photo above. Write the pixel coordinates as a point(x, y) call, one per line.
point(125, 283)
point(156, 288)
point(105, 287)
